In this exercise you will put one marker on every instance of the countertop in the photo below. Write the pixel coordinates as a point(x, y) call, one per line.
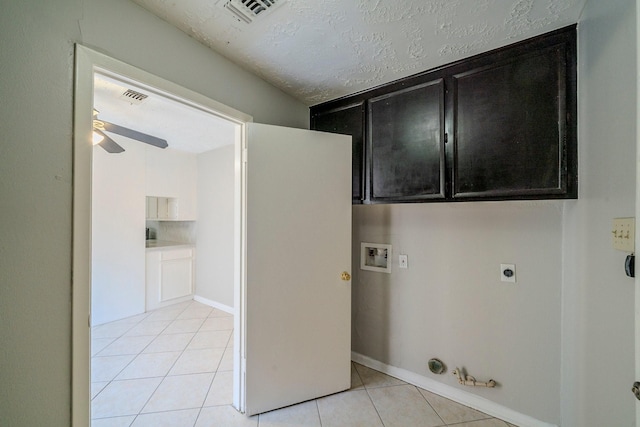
point(164, 244)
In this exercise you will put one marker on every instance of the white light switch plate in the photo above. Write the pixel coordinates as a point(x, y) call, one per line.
point(623, 234)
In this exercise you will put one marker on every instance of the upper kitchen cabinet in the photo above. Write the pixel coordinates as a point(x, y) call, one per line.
point(406, 144)
point(348, 120)
point(512, 116)
point(496, 126)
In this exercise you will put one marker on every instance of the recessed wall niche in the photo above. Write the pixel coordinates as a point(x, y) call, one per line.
point(375, 257)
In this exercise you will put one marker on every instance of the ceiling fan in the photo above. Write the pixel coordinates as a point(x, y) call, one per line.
point(100, 138)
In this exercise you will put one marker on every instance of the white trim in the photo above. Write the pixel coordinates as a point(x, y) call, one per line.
point(636, 281)
point(240, 271)
point(81, 271)
point(460, 396)
point(87, 63)
point(214, 304)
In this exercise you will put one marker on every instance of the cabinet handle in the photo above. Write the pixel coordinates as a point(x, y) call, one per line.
point(345, 276)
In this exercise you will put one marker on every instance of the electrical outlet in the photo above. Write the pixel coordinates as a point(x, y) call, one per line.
point(508, 273)
point(623, 234)
point(403, 261)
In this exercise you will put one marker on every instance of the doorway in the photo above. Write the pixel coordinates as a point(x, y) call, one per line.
point(89, 64)
point(293, 205)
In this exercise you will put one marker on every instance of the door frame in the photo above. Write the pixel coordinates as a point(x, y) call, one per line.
point(637, 212)
point(88, 62)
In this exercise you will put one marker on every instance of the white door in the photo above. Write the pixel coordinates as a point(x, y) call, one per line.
point(297, 307)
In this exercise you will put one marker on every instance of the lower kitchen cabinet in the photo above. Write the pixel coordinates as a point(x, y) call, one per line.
point(169, 275)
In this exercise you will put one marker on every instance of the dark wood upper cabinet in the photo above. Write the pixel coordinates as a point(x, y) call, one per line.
point(347, 120)
point(497, 126)
point(510, 126)
point(406, 144)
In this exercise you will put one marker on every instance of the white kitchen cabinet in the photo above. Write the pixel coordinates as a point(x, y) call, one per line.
point(173, 175)
point(169, 275)
point(152, 208)
point(162, 208)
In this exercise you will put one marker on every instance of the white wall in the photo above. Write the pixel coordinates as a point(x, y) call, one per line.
point(117, 238)
point(215, 244)
point(451, 304)
point(173, 173)
point(36, 65)
point(598, 303)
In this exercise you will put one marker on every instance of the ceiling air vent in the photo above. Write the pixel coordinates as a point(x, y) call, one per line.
point(248, 11)
point(133, 96)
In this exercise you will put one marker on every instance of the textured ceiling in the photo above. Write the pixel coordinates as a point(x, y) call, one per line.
point(317, 50)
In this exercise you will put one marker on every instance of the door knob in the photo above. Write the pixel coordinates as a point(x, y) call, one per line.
point(345, 276)
point(636, 389)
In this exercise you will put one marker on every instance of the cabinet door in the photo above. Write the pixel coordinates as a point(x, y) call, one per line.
point(152, 279)
point(347, 120)
point(176, 274)
point(152, 207)
point(510, 124)
point(406, 144)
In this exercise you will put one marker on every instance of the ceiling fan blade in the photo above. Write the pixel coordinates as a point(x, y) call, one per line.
point(130, 133)
point(109, 144)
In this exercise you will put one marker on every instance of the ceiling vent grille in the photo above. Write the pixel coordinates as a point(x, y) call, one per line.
point(247, 11)
point(133, 96)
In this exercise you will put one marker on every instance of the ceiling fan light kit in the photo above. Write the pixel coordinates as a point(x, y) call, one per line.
point(97, 138)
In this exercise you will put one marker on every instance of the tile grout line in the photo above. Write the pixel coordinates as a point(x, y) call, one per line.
point(318, 411)
point(181, 353)
point(199, 414)
point(374, 406)
point(133, 325)
point(369, 396)
point(111, 381)
point(214, 377)
point(431, 406)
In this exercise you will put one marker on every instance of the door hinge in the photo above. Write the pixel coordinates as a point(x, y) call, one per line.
point(446, 138)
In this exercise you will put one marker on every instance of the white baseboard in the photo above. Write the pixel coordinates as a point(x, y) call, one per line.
point(214, 304)
point(460, 396)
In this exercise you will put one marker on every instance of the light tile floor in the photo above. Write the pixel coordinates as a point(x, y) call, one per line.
point(173, 367)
